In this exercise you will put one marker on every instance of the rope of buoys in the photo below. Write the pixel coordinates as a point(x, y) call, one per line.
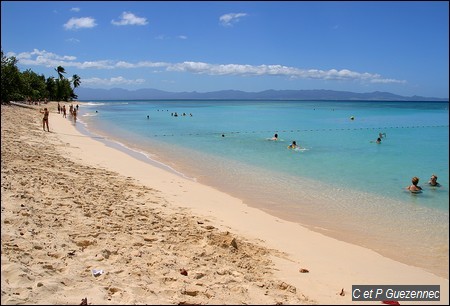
point(305, 130)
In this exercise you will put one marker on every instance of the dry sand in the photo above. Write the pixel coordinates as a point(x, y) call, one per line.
point(71, 205)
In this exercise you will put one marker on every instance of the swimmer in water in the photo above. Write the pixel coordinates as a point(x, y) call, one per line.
point(275, 137)
point(293, 145)
point(433, 181)
point(414, 187)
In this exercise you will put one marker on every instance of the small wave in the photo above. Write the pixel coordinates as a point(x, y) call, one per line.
point(90, 115)
point(94, 104)
point(152, 160)
point(90, 103)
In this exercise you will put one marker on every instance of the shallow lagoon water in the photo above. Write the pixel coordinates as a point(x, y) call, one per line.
point(343, 184)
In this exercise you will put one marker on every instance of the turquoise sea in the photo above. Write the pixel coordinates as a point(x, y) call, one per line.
point(341, 183)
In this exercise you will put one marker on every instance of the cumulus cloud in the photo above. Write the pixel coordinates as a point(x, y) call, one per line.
point(231, 18)
point(128, 18)
point(48, 59)
point(79, 23)
point(277, 70)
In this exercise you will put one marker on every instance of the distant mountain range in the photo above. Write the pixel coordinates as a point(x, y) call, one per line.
point(85, 94)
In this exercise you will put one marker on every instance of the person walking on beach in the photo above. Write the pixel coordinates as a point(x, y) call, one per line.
point(45, 119)
point(64, 111)
point(414, 187)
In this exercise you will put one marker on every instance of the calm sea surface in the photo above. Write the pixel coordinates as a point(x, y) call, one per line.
point(341, 183)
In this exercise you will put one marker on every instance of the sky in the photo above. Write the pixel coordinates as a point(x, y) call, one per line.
point(399, 47)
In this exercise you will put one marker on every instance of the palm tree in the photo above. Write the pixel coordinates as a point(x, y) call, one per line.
point(60, 71)
point(76, 81)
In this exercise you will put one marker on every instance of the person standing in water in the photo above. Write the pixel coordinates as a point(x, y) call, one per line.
point(433, 181)
point(414, 187)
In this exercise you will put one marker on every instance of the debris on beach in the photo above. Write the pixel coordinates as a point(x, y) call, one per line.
point(183, 272)
point(342, 293)
point(303, 270)
point(96, 273)
point(84, 301)
point(234, 243)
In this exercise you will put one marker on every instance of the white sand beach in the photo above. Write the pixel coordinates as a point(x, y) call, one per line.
point(72, 205)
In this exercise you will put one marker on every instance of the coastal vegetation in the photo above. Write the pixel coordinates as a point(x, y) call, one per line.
point(30, 86)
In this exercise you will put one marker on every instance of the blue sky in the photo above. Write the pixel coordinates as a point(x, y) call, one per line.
point(399, 47)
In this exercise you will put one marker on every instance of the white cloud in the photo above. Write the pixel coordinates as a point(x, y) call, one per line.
point(75, 9)
point(73, 40)
point(278, 70)
point(48, 59)
point(112, 81)
point(229, 19)
point(387, 81)
point(182, 36)
point(79, 23)
point(128, 18)
point(142, 64)
point(44, 54)
point(95, 64)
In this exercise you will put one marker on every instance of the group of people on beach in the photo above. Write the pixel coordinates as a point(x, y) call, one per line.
point(72, 110)
point(61, 110)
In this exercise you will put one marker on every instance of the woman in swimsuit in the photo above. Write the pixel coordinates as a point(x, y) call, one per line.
point(45, 119)
point(414, 187)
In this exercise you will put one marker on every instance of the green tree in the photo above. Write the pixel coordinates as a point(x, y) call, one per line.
point(50, 86)
point(60, 70)
point(11, 81)
point(19, 86)
point(33, 85)
point(63, 90)
point(76, 81)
